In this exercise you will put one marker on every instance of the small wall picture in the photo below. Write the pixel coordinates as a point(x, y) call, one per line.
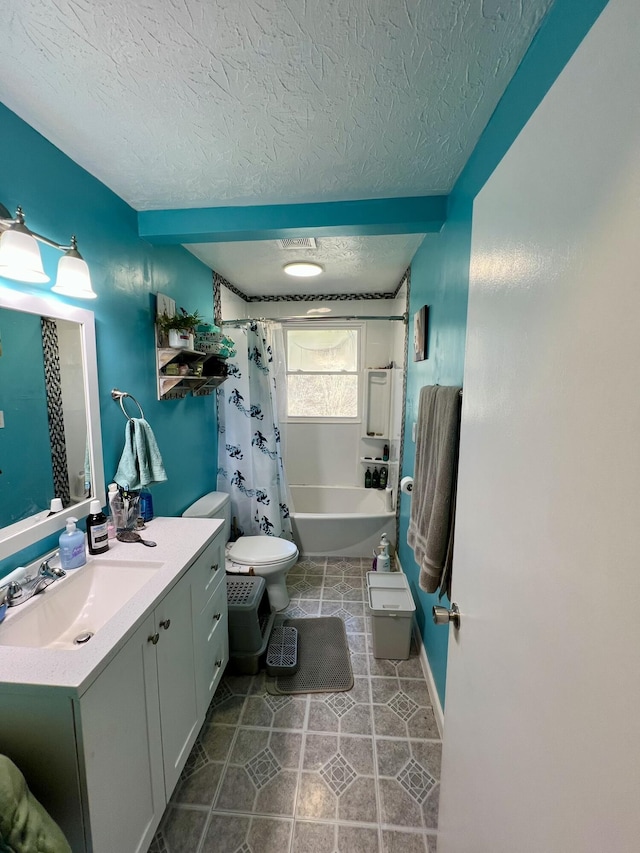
point(420, 333)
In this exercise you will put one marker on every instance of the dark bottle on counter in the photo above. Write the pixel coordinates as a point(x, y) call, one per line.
point(367, 478)
point(375, 479)
point(97, 532)
point(383, 478)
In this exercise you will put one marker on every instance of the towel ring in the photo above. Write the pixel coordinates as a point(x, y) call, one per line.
point(120, 395)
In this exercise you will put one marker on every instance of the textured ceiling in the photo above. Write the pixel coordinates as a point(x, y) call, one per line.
point(351, 264)
point(187, 103)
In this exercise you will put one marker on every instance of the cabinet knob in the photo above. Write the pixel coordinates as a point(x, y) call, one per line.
point(153, 639)
point(217, 616)
point(214, 567)
point(165, 624)
point(219, 663)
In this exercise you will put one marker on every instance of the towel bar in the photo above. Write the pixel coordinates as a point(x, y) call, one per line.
point(120, 395)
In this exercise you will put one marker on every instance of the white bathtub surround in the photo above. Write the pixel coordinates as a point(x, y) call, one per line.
point(340, 521)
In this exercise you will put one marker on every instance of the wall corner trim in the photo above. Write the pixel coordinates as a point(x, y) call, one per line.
point(438, 710)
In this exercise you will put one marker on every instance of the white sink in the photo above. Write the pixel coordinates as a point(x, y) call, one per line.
point(77, 605)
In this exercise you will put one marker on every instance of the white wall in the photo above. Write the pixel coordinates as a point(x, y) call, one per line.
point(329, 454)
point(73, 404)
point(233, 307)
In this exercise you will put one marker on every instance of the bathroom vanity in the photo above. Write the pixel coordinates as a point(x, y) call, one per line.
point(102, 730)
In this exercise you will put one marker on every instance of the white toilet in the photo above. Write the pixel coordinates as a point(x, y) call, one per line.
point(269, 556)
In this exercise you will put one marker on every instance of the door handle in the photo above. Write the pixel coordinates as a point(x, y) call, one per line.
point(165, 624)
point(442, 616)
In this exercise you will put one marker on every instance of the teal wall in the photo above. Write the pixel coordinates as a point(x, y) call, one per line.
point(439, 279)
point(440, 269)
point(59, 199)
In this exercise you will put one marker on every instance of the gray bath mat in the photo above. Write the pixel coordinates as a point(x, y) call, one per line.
point(323, 657)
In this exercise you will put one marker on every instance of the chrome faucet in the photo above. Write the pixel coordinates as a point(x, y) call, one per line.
point(46, 570)
point(18, 593)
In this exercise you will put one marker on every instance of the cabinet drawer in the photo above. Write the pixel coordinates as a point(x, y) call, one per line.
point(207, 573)
point(211, 639)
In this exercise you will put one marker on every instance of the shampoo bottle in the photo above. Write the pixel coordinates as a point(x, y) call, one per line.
point(97, 531)
point(367, 478)
point(383, 563)
point(72, 549)
point(375, 479)
point(383, 477)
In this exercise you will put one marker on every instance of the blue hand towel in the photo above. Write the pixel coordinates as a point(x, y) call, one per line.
point(141, 463)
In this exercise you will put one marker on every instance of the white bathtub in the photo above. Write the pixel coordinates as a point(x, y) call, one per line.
point(339, 521)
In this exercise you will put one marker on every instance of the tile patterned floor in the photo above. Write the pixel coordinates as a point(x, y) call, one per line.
point(353, 772)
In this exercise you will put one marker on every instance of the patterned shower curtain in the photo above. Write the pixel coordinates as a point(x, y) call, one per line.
point(250, 463)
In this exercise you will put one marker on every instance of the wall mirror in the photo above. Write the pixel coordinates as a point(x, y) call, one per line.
point(50, 439)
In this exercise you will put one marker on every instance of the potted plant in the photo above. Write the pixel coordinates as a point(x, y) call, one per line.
point(179, 328)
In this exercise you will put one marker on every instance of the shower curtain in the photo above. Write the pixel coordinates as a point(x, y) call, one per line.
point(250, 462)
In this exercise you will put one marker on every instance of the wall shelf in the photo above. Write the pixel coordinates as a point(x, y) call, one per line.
point(377, 403)
point(176, 386)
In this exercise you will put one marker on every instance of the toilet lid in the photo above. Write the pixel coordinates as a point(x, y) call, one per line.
point(260, 550)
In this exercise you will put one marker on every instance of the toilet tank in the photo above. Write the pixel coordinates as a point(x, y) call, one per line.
point(212, 505)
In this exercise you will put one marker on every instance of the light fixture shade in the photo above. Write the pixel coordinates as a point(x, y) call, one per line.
point(73, 277)
point(20, 257)
point(303, 269)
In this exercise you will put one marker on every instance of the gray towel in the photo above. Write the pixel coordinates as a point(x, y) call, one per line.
point(434, 485)
point(141, 463)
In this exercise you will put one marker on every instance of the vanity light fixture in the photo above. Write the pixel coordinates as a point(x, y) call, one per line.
point(303, 269)
point(20, 258)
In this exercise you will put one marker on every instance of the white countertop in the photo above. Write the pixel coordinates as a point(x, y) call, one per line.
point(179, 542)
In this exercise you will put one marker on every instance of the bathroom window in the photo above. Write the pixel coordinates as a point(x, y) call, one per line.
point(322, 372)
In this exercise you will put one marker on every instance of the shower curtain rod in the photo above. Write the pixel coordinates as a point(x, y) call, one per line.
point(298, 317)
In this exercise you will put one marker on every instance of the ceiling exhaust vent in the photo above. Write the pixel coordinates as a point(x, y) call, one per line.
point(298, 243)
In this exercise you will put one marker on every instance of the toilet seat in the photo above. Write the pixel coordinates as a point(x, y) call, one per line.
point(261, 551)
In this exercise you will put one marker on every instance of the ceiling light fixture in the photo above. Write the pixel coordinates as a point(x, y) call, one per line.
point(303, 269)
point(20, 258)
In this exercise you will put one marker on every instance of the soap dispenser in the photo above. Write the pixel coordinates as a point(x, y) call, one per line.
point(72, 548)
point(383, 563)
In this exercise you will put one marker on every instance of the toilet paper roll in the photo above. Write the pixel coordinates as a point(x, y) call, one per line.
point(406, 485)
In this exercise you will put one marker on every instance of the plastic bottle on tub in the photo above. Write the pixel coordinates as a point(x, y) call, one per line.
point(383, 562)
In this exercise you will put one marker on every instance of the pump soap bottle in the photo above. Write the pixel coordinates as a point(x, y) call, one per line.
point(72, 549)
point(383, 563)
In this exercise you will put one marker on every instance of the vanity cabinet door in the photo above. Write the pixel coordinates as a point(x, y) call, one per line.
point(120, 744)
point(176, 679)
